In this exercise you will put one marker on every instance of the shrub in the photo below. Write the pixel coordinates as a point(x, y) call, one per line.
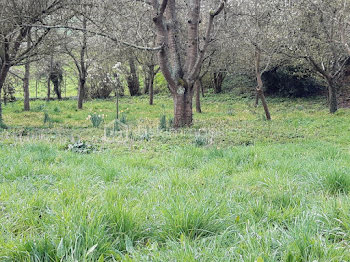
point(101, 83)
point(291, 81)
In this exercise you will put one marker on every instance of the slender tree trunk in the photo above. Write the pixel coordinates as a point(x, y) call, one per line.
point(151, 91)
point(198, 87)
point(256, 99)
point(259, 89)
point(151, 83)
point(133, 80)
point(332, 93)
point(83, 69)
point(264, 103)
point(81, 93)
point(26, 87)
point(26, 78)
point(218, 80)
point(146, 80)
point(49, 79)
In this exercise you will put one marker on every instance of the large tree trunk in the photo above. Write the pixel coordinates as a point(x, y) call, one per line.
point(198, 88)
point(133, 80)
point(218, 81)
point(183, 109)
point(26, 79)
point(332, 92)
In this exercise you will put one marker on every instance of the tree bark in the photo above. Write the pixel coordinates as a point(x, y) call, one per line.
point(183, 109)
point(49, 79)
point(332, 93)
point(181, 76)
point(146, 80)
point(81, 93)
point(3, 74)
point(198, 88)
point(260, 86)
point(56, 87)
point(26, 78)
point(83, 69)
point(219, 78)
point(133, 80)
point(151, 90)
point(5, 68)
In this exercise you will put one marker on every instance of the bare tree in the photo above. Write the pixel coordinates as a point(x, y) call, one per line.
point(181, 72)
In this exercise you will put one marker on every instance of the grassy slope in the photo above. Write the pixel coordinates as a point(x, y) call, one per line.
point(275, 191)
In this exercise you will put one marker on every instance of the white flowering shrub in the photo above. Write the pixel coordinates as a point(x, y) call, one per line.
point(101, 83)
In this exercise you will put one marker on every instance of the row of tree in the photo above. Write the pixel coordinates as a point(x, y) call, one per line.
point(183, 39)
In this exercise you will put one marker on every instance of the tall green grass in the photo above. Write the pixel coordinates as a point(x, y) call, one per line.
point(258, 192)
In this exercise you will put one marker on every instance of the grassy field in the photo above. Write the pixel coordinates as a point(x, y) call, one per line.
point(234, 187)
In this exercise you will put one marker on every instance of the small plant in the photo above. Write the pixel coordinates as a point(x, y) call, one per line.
point(337, 183)
point(39, 108)
point(146, 135)
point(57, 109)
point(171, 122)
point(80, 147)
point(201, 140)
point(230, 112)
point(123, 119)
point(162, 123)
point(116, 126)
point(96, 119)
point(47, 118)
point(2, 125)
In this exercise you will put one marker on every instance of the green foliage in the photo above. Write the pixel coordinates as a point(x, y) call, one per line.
point(96, 119)
point(57, 109)
point(2, 125)
point(47, 118)
point(81, 147)
point(123, 119)
point(201, 139)
point(162, 123)
point(337, 182)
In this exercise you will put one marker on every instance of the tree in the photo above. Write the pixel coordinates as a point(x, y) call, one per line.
point(17, 18)
point(318, 36)
point(181, 72)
